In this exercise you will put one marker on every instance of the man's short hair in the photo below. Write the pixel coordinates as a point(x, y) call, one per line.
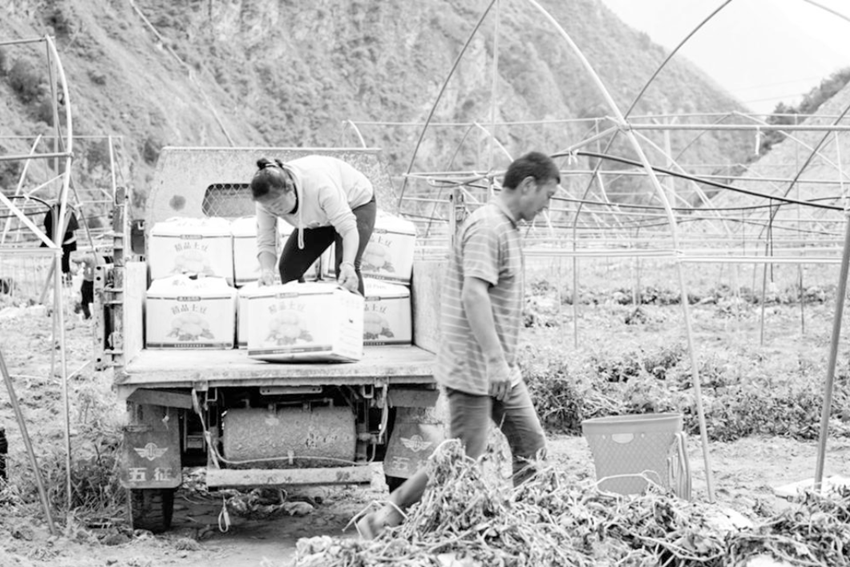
point(536, 164)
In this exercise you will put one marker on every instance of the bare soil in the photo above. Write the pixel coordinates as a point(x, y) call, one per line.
point(745, 472)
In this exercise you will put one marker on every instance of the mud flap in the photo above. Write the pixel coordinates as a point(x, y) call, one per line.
point(416, 433)
point(151, 455)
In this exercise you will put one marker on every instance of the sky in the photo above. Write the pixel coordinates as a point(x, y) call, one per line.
point(762, 51)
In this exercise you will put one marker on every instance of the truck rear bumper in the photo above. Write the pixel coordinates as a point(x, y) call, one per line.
point(201, 370)
point(247, 478)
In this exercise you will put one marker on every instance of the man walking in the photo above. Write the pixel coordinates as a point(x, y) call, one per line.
point(480, 318)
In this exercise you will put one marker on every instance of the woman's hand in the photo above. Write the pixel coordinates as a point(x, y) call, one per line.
point(348, 277)
point(266, 277)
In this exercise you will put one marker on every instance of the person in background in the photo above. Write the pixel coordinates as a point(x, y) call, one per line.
point(69, 242)
point(87, 264)
point(480, 320)
point(327, 201)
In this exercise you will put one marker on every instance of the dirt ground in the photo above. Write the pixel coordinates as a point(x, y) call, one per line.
point(745, 472)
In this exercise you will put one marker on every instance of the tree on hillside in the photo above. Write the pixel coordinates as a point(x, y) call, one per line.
point(812, 101)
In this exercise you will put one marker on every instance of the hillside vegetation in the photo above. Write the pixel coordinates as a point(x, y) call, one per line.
point(811, 103)
point(287, 73)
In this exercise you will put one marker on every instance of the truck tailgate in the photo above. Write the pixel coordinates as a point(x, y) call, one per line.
point(201, 369)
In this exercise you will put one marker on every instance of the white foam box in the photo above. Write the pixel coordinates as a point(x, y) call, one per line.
point(387, 314)
point(242, 312)
point(294, 322)
point(191, 246)
point(182, 312)
point(389, 254)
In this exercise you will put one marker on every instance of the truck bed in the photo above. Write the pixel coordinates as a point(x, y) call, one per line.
point(201, 369)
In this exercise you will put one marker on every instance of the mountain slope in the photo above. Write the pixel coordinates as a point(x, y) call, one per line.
point(822, 177)
point(286, 73)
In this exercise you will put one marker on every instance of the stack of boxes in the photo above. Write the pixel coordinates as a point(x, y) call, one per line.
point(387, 266)
point(204, 291)
point(190, 302)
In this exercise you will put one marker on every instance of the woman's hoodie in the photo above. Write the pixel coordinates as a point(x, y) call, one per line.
point(328, 189)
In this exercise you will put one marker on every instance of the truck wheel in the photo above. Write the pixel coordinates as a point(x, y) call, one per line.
point(394, 482)
point(151, 508)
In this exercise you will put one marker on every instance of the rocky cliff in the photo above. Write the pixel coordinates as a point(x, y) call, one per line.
point(291, 73)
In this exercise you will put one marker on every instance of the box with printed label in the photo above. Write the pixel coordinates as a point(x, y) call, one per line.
point(305, 322)
point(191, 246)
point(188, 312)
point(387, 315)
point(389, 254)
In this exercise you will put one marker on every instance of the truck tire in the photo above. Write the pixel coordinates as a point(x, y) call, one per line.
point(151, 508)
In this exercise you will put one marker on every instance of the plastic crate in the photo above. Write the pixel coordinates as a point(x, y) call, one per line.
point(629, 449)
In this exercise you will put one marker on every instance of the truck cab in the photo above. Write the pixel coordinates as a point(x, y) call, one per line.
point(249, 422)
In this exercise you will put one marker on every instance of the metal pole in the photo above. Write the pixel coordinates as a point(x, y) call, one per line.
point(743, 127)
point(22, 157)
point(18, 189)
point(830, 10)
point(799, 223)
point(833, 356)
point(27, 443)
point(59, 322)
point(768, 252)
point(439, 96)
point(21, 41)
point(53, 106)
point(638, 294)
point(575, 301)
point(763, 301)
point(57, 275)
point(621, 121)
point(47, 281)
point(493, 93)
point(112, 166)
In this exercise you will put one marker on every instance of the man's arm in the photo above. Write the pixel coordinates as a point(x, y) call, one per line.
point(479, 312)
point(266, 239)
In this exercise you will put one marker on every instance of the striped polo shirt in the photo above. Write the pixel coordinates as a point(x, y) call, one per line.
point(487, 247)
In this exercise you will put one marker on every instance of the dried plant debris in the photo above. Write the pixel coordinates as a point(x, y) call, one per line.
point(470, 519)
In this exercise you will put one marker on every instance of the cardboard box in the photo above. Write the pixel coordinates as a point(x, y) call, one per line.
point(305, 322)
point(191, 246)
point(387, 315)
point(182, 312)
point(389, 254)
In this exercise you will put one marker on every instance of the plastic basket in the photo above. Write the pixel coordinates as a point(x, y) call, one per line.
point(629, 449)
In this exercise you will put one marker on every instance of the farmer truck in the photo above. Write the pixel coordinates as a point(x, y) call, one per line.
point(252, 423)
